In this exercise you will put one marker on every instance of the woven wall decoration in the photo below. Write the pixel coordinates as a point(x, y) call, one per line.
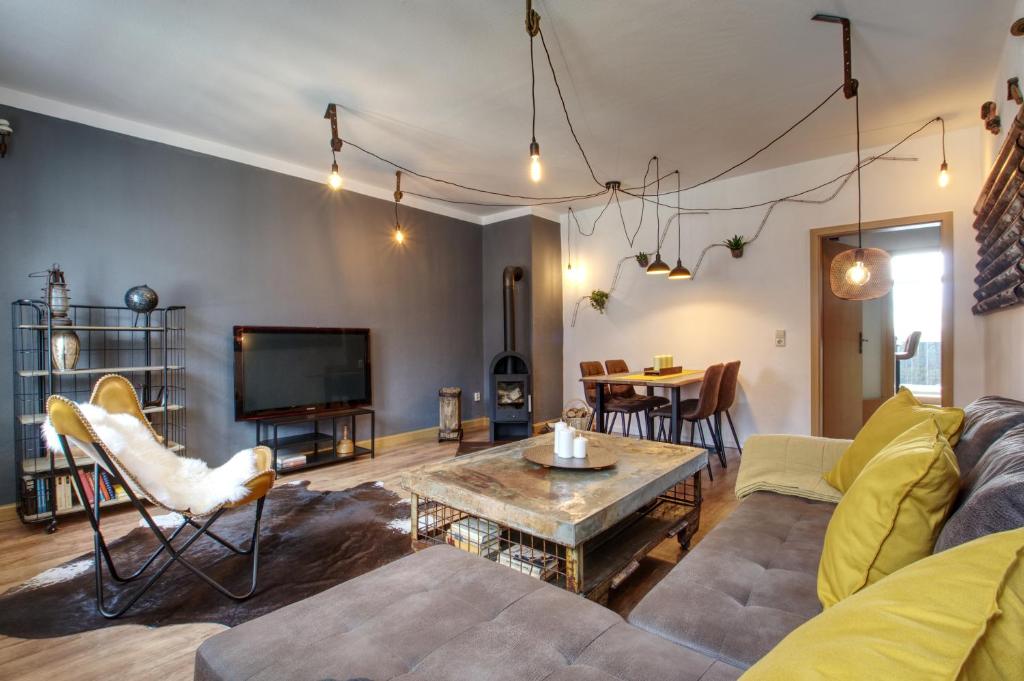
point(1000, 227)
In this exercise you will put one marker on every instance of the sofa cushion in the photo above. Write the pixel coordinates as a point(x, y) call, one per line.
point(891, 515)
point(955, 615)
point(985, 421)
point(992, 494)
point(896, 415)
point(445, 614)
point(747, 584)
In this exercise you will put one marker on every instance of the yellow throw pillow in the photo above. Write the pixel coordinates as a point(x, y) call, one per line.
point(891, 515)
point(897, 414)
point(956, 615)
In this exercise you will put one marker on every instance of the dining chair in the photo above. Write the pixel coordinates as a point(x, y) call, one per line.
point(908, 352)
point(698, 411)
point(619, 366)
point(614, 407)
point(726, 398)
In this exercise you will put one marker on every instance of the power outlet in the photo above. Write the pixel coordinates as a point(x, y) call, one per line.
point(476, 397)
point(780, 338)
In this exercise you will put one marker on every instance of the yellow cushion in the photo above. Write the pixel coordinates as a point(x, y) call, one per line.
point(956, 615)
point(891, 515)
point(897, 414)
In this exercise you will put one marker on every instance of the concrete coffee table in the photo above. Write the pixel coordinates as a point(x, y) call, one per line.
point(582, 530)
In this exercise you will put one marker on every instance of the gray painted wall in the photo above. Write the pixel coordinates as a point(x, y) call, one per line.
point(546, 299)
point(238, 245)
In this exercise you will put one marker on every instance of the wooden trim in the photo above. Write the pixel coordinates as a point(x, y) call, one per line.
point(387, 443)
point(945, 221)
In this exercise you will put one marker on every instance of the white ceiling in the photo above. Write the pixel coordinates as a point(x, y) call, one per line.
point(443, 87)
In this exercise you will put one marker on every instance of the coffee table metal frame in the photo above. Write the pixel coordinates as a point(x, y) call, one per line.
point(591, 568)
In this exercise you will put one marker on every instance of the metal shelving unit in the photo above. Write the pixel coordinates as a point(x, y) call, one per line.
point(147, 348)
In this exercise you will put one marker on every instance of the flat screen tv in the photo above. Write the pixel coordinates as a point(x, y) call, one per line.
point(284, 371)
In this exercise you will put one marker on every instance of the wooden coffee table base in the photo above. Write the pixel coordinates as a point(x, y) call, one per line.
point(592, 568)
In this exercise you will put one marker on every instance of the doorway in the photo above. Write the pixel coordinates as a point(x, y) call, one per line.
point(862, 351)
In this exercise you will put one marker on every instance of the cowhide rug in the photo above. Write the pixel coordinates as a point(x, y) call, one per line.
point(309, 542)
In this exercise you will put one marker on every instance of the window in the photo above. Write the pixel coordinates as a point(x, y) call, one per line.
point(917, 306)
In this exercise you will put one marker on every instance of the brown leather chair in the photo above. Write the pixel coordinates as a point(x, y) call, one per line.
point(614, 407)
point(726, 398)
point(619, 366)
point(700, 411)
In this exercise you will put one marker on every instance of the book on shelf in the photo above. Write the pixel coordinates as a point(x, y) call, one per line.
point(529, 560)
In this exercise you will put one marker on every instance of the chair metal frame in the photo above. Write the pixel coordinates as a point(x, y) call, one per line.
point(259, 485)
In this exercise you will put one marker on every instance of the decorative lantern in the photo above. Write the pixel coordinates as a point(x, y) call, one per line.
point(450, 411)
point(65, 346)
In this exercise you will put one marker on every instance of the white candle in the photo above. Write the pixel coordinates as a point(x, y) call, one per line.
point(559, 427)
point(579, 447)
point(564, 443)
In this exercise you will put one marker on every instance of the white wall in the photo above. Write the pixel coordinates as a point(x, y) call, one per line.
point(1004, 330)
point(733, 307)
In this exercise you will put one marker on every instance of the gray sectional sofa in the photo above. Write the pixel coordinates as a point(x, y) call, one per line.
point(442, 614)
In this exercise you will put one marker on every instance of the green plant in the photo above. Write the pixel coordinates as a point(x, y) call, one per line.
point(598, 300)
point(643, 259)
point(735, 243)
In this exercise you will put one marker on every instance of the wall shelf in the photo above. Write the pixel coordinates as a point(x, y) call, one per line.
point(147, 348)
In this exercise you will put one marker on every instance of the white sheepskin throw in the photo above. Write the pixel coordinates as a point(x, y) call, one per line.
point(176, 482)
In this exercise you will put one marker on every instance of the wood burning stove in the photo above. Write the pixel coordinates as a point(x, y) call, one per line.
point(511, 399)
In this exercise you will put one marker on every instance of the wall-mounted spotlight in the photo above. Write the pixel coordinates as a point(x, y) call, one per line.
point(5, 131)
point(334, 180)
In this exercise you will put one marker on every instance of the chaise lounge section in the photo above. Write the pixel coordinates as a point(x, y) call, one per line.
point(445, 614)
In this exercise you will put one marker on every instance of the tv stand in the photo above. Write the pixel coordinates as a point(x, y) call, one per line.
point(317, 447)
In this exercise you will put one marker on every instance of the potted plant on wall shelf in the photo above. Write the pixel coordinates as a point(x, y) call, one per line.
point(643, 259)
point(735, 245)
point(598, 300)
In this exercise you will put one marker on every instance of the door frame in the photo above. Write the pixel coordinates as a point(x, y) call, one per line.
point(818, 235)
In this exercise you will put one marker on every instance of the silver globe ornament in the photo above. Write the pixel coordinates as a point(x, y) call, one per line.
point(141, 299)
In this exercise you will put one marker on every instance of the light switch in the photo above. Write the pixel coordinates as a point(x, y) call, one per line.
point(476, 397)
point(780, 338)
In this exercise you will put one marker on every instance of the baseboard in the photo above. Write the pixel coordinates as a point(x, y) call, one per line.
point(421, 437)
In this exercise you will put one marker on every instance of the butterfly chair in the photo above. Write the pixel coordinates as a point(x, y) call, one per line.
point(73, 430)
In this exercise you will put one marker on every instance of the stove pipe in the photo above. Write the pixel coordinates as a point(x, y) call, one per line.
point(509, 277)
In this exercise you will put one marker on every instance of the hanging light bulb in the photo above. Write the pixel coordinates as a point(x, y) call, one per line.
point(858, 274)
point(399, 234)
point(944, 168)
point(334, 180)
point(535, 169)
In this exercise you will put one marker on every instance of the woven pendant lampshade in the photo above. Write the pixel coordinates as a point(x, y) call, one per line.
point(861, 274)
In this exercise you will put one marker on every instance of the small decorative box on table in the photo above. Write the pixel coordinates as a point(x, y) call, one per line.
point(583, 530)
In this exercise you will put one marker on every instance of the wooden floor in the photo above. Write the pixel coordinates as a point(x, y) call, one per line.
point(167, 653)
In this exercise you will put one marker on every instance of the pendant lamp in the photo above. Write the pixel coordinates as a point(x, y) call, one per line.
point(860, 273)
point(659, 266)
point(679, 272)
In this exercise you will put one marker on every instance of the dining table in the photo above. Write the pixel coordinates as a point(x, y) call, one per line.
point(674, 383)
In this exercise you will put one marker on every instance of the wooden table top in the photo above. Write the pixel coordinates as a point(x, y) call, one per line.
point(564, 506)
point(688, 377)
